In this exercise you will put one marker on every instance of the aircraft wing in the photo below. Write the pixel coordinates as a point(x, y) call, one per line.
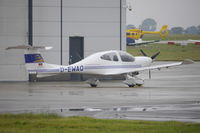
point(187, 61)
point(142, 43)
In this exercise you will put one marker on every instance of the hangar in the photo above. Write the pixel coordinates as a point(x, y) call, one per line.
point(75, 29)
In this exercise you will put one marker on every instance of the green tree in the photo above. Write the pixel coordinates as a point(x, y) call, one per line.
point(148, 24)
point(198, 29)
point(177, 30)
point(191, 30)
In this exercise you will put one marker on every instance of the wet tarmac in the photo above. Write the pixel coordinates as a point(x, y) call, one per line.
point(171, 94)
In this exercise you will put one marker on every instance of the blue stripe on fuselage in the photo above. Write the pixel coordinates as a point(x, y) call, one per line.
point(112, 67)
point(67, 69)
point(44, 70)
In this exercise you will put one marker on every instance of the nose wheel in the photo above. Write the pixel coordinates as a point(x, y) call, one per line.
point(131, 85)
point(132, 81)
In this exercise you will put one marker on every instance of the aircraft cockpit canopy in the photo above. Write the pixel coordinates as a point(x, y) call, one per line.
point(126, 57)
point(110, 56)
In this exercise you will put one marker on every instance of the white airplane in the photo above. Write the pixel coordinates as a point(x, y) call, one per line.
point(111, 62)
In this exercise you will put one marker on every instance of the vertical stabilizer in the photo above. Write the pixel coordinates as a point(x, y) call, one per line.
point(33, 58)
point(164, 31)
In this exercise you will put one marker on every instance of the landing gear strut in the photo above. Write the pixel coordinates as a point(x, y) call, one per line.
point(93, 82)
point(132, 81)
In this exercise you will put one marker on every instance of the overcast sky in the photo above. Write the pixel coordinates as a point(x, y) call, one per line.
point(182, 13)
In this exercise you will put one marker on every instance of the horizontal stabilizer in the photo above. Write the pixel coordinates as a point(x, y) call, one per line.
point(29, 47)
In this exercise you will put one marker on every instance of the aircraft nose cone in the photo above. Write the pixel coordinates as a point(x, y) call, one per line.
point(148, 61)
point(144, 61)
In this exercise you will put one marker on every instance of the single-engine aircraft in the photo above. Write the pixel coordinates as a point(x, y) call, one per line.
point(134, 36)
point(111, 62)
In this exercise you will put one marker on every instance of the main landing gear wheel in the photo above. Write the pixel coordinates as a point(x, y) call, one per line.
point(139, 85)
point(131, 85)
point(93, 82)
point(132, 81)
point(92, 85)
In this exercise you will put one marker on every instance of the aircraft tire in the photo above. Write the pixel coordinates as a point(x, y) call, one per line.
point(139, 85)
point(131, 85)
point(93, 85)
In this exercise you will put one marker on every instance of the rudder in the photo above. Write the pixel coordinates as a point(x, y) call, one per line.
point(164, 31)
point(33, 58)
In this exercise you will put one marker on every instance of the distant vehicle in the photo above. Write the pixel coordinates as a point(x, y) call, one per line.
point(196, 42)
point(134, 36)
point(111, 62)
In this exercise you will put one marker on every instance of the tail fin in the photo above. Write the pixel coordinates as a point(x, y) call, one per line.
point(32, 55)
point(33, 58)
point(164, 31)
point(34, 61)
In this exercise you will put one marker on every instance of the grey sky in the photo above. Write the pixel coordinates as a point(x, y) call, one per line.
point(182, 13)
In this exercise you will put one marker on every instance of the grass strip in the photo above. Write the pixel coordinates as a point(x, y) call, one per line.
point(168, 52)
point(51, 123)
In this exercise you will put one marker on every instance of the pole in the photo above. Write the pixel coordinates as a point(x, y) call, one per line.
point(61, 32)
point(120, 25)
point(30, 22)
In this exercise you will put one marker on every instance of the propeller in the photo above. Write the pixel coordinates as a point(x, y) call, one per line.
point(153, 57)
point(143, 53)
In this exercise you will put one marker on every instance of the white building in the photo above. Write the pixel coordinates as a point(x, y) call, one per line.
point(73, 27)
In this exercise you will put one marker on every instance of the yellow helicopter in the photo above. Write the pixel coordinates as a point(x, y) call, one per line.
point(134, 36)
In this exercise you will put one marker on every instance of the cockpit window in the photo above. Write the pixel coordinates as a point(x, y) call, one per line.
point(105, 57)
point(125, 57)
point(110, 57)
point(115, 58)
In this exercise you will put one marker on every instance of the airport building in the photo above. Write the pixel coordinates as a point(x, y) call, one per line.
point(75, 29)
